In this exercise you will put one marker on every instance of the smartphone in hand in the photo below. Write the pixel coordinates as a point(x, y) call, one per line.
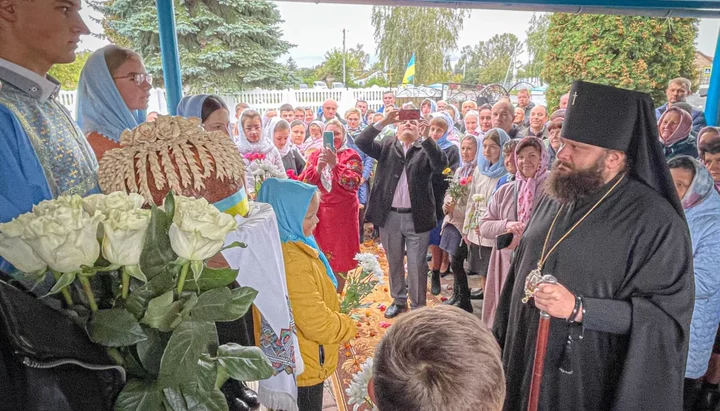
point(503, 241)
point(329, 140)
point(404, 115)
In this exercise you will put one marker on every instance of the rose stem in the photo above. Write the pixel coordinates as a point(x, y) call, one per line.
point(183, 275)
point(125, 283)
point(65, 292)
point(89, 292)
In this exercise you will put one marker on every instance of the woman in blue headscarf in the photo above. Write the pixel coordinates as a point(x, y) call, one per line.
point(701, 203)
point(441, 126)
point(210, 109)
point(113, 94)
point(427, 107)
point(490, 168)
point(311, 287)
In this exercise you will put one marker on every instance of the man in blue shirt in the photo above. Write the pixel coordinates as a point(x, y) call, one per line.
point(43, 154)
point(677, 92)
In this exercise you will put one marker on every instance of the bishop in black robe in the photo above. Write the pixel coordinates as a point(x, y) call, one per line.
point(630, 260)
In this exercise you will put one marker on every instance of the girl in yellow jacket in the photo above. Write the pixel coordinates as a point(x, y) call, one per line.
point(321, 328)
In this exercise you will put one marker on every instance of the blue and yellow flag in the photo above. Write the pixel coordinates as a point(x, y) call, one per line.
point(410, 70)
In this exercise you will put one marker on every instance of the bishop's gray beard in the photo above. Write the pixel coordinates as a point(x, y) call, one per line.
point(576, 185)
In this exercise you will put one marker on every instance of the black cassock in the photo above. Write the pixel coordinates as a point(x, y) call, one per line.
point(631, 262)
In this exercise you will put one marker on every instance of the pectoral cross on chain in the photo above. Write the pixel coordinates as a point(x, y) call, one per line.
point(574, 97)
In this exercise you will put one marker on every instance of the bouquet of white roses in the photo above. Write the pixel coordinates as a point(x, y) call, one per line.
point(155, 321)
point(361, 282)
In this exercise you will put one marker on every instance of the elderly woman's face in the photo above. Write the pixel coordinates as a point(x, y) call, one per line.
point(683, 179)
point(471, 123)
point(555, 140)
point(669, 124)
point(315, 132)
point(338, 135)
point(528, 161)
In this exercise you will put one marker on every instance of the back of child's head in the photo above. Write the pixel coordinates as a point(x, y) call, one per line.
point(438, 359)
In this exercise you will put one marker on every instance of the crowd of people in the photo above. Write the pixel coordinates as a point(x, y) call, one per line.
point(604, 213)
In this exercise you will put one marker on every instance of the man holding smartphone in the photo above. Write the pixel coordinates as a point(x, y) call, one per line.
point(402, 202)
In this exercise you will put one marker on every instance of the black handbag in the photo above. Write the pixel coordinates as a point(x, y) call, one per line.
point(47, 361)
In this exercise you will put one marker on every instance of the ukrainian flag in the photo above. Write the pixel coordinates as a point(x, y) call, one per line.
point(410, 71)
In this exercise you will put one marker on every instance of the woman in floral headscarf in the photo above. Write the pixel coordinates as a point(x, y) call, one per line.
point(256, 148)
point(674, 128)
point(509, 211)
point(701, 203)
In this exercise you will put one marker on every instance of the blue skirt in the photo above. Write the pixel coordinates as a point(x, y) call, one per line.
point(435, 233)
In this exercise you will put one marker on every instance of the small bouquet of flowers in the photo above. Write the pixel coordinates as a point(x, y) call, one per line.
point(357, 391)
point(458, 187)
point(474, 219)
point(262, 169)
point(361, 282)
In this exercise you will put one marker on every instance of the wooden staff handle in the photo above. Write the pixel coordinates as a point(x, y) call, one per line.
point(539, 361)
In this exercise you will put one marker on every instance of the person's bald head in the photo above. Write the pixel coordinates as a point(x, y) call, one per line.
point(39, 34)
point(329, 108)
point(538, 118)
point(503, 114)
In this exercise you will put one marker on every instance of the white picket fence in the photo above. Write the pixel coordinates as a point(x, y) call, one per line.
point(263, 100)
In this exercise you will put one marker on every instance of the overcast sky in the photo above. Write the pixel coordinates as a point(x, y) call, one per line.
point(316, 28)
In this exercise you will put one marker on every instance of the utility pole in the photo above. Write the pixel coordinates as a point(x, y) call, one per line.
point(344, 80)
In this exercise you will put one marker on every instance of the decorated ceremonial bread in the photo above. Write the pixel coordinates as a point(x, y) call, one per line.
point(174, 153)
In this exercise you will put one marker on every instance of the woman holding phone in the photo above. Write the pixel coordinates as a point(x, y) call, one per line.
point(507, 215)
point(337, 171)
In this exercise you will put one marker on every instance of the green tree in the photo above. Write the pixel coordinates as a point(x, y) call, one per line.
point(69, 74)
point(430, 33)
point(225, 45)
point(488, 61)
point(536, 45)
point(637, 53)
point(356, 60)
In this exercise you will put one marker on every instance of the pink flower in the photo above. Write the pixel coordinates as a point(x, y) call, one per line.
point(384, 324)
point(382, 308)
point(463, 181)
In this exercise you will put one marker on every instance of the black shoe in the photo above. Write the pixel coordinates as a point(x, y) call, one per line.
point(435, 282)
point(709, 399)
point(239, 397)
point(452, 300)
point(463, 291)
point(394, 310)
point(477, 295)
point(444, 274)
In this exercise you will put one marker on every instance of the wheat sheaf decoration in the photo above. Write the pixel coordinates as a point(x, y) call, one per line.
point(172, 153)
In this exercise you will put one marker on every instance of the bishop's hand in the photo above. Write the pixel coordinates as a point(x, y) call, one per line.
point(556, 300)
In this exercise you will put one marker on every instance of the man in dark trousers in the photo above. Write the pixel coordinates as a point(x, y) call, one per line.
point(612, 231)
point(402, 202)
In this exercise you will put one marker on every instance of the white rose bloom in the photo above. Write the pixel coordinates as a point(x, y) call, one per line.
point(49, 206)
point(15, 250)
point(64, 237)
point(198, 230)
point(124, 235)
point(118, 200)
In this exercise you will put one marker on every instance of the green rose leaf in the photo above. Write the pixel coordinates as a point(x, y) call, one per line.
point(188, 342)
point(213, 305)
point(162, 313)
point(234, 244)
point(115, 328)
point(139, 396)
point(208, 372)
point(63, 282)
point(212, 278)
point(244, 363)
point(150, 351)
point(189, 302)
point(242, 299)
point(157, 252)
point(175, 399)
point(169, 205)
point(139, 298)
point(198, 399)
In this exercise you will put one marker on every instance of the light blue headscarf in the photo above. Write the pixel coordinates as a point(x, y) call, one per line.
point(191, 106)
point(443, 142)
point(290, 199)
point(100, 107)
point(433, 105)
point(702, 185)
point(496, 170)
